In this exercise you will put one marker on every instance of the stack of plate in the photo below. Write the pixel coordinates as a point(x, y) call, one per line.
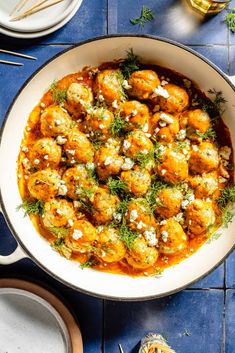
point(39, 24)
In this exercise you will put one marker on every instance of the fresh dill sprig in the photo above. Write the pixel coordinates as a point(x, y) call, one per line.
point(130, 64)
point(213, 237)
point(116, 186)
point(127, 235)
point(227, 216)
point(230, 19)
point(218, 100)
point(151, 195)
point(83, 193)
point(146, 15)
point(143, 159)
point(117, 127)
point(89, 263)
point(61, 232)
point(58, 95)
point(227, 196)
point(158, 151)
point(180, 146)
point(32, 207)
point(123, 205)
point(209, 134)
point(58, 243)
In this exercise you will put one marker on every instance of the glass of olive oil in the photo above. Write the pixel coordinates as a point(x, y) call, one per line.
point(209, 7)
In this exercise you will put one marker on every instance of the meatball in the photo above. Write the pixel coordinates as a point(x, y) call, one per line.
point(82, 236)
point(141, 256)
point(139, 216)
point(110, 247)
point(78, 182)
point(172, 237)
point(143, 83)
point(177, 101)
point(137, 142)
point(104, 206)
point(108, 86)
point(45, 153)
point(199, 216)
point(58, 213)
point(204, 186)
point(173, 167)
point(138, 181)
point(108, 162)
point(196, 120)
point(79, 99)
point(204, 158)
point(55, 121)
point(164, 126)
point(98, 123)
point(78, 148)
point(168, 202)
point(44, 184)
point(136, 115)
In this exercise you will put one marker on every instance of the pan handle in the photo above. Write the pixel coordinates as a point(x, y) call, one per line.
point(15, 256)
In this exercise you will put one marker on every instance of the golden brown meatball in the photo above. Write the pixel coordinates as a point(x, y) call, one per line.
point(79, 99)
point(81, 236)
point(164, 126)
point(44, 184)
point(143, 83)
point(137, 142)
point(110, 247)
point(55, 121)
point(199, 216)
point(196, 120)
point(205, 185)
point(141, 256)
point(104, 205)
point(45, 153)
point(98, 123)
point(108, 162)
point(78, 182)
point(138, 181)
point(139, 216)
point(168, 202)
point(172, 237)
point(78, 148)
point(204, 158)
point(136, 115)
point(58, 213)
point(173, 167)
point(108, 86)
point(177, 101)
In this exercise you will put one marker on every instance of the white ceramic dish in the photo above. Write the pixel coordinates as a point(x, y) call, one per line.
point(37, 34)
point(38, 21)
point(94, 52)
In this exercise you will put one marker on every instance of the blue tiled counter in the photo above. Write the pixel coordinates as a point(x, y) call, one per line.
point(200, 319)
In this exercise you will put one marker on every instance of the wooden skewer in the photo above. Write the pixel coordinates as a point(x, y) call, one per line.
point(120, 348)
point(17, 54)
point(37, 4)
point(10, 63)
point(37, 9)
point(18, 6)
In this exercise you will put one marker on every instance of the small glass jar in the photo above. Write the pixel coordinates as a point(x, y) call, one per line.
point(209, 7)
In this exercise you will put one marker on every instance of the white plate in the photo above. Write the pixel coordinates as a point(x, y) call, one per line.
point(38, 21)
point(37, 34)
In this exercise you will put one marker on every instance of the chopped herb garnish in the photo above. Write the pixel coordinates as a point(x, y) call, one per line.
point(146, 15)
point(117, 127)
point(218, 100)
point(158, 273)
point(127, 235)
point(123, 205)
point(116, 186)
point(151, 195)
point(209, 134)
point(58, 243)
point(213, 237)
point(230, 19)
point(227, 196)
point(59, 231)
point(227, 217)
point(32, 207)
point(180, 146)
point(130, 64)
point(158, 150)
point(143, 159)
point(89, 263)
point(58, 95)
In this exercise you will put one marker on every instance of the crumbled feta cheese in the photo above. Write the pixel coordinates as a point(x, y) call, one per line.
point(179, 217)
point(61, 140)
point(148, 135)
point(25, 149)
point(150, 237)
point(134, 112)
point(162, 223)
point(72, 152)
point(59, 212)
point(222, 180)
point(77, 234)
point(28, 128)
point(70, 222)
point(62, 188)
point(76, 204)
point(163, 171)
point(164, 235)
point(127, 118)
point(181, 134)
point(164, 82)
point(117, 216)
point(165, 117)
point(156, 130)
point(26, 163)
point(100, 229)
point(184, 204)
point(57, 122)
point(128, 164)
point(36, 161)
point(101, 126)
point(225, 152)
point(101, 98)
point(140, 225)
point(161, 92)
point(42, 105)
point(126, 85)
point(115, 104)
point(46, 157)
point(133, 215)
point(109, 160)
point(126, 145)
point(162, 123)
point(145, 127)
point(195, 148)
point(90, 166)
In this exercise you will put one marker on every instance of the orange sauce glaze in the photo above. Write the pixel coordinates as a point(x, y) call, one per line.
point(33, 133)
